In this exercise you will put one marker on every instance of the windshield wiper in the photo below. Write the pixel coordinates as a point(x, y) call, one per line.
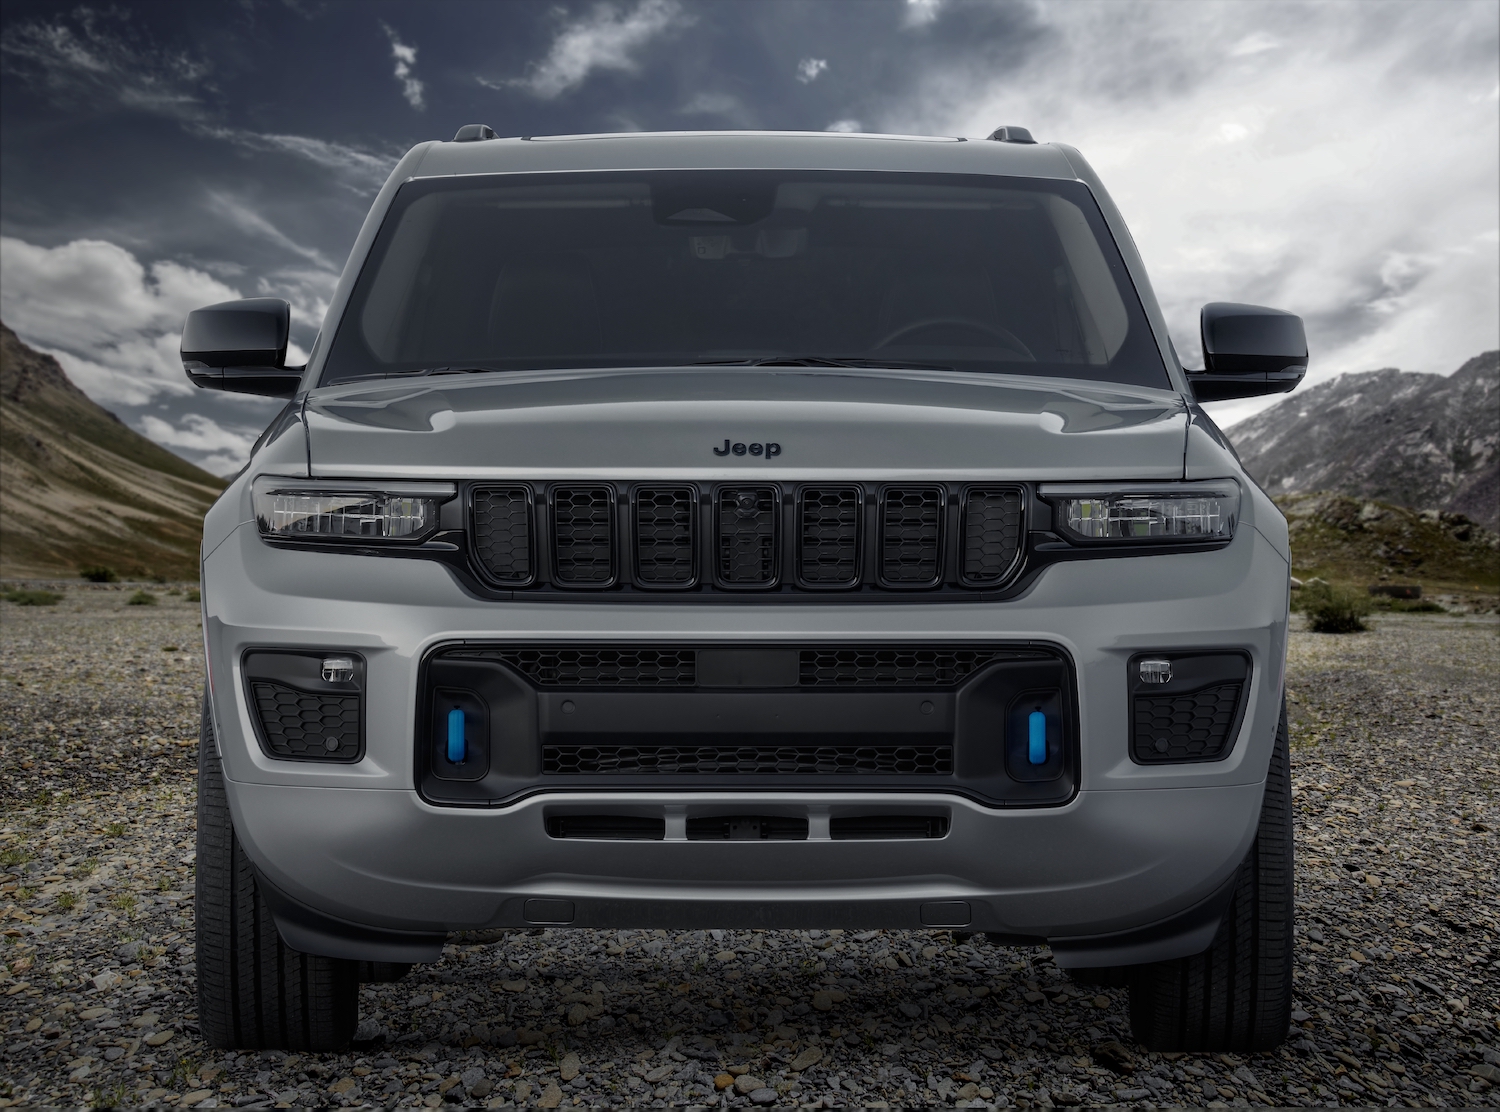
point(863, 363)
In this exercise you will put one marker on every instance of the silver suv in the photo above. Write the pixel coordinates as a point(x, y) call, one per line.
point(752, 530)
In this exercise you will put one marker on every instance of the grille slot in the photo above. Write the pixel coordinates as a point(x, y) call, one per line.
point(583, 535)
point(301, 724)
point(607, 828)
point(896, 667)
point(992, 533)
point(850, 828)
point(830, 536)
point(664, 536)
point(604, 667)
point(678, 760)
point(746, 540)
point(1190, 727)
point(502, 532)
point(911, 531)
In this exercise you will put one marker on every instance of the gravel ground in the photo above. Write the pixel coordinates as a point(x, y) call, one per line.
point(1394, 765)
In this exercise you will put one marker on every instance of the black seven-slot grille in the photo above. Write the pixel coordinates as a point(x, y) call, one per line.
point(747, 537)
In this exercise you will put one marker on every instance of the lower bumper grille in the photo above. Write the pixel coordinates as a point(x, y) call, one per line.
point(303, 724)
point(1185, 727)
point(709, 760)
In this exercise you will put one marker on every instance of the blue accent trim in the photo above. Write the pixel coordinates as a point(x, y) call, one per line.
point(1036, 724)
point(456, 747)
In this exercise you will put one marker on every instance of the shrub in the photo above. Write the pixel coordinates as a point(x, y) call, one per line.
point(1331, 609)
point(99, 574)
point(193, 596)
point(141, 598)
point(33, 598)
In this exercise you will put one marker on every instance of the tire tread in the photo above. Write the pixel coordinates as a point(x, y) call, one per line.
point(254, 991)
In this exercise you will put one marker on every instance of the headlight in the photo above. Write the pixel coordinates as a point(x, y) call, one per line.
point(1135, 513)
point(361, 512)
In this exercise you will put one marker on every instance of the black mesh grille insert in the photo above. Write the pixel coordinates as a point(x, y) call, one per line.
point(677, 760)
point(747, 535)
point(1184, 727)
point(502, 532)
point(992, 534)
point(830, 535)
point(583, 535)
point(911, 523)
point(301, 724)
point(664, 535)
point(597, 667)
point(896, 667)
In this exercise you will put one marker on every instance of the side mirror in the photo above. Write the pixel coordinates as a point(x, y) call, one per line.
point(241, 346)
point(1248, 351)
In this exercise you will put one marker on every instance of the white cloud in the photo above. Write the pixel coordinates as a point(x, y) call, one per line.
point(213, 447)
point(113, 323)
point(406, 58)
point(845, 125)
point(247, 219)
point(809, 69)
point(607, 38)
point(1339, 160)
point(77, 57)
point(919, 13)
point(357, 168)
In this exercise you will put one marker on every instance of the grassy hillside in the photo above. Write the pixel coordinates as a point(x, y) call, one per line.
point(1352, 540)
point(79, 488)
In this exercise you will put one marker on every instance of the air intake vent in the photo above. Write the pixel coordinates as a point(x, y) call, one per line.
point(747, 536)
point(830, 536)
point(602, 667)
point(664, 536)
point(745, 760)
point(582, 525)
point(992, 534)
point(1189, 727)
point(502, 532)
point(911, 527)
point(898, 667)
point(308, 726)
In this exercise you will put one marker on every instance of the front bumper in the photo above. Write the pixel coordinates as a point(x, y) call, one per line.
point(1107, 862)
point(357, 848)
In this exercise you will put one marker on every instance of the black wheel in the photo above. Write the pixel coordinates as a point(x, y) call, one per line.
point(254, 991)
point(1236, 995)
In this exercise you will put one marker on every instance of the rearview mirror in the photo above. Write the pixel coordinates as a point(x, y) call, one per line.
point(1248, 351)
point(241, 346)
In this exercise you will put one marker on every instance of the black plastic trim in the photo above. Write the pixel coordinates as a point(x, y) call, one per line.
point(352, 687)
point(310, 931)
point(521, 748)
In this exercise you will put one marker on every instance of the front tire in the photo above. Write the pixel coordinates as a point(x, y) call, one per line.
point(254, 991)
point(1237, 994)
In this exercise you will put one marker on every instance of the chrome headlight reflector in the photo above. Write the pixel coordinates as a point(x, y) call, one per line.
point(359, 512)
point(1136, 513)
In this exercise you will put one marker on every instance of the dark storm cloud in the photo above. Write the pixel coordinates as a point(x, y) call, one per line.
point(1336, 159)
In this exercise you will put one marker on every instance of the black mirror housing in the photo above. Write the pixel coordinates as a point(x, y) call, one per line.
point(1248, 351)
point(241, 346)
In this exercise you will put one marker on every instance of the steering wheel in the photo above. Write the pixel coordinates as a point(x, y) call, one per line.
point(1006, 337)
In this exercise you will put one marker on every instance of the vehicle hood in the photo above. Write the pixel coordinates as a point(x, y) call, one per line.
point(657, 423)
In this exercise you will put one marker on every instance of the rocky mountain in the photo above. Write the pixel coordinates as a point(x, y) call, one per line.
point(79, 488)
point(1421, 441)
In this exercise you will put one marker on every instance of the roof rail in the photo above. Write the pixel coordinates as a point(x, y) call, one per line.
point(473, 133)
point(1011, 135)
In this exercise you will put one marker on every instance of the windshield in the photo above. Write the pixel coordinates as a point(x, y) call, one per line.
point(678, 268)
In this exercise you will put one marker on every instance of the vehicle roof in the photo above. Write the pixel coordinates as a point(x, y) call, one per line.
point(779, 150)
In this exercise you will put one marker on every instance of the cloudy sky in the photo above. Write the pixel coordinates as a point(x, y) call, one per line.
point(1339, 160)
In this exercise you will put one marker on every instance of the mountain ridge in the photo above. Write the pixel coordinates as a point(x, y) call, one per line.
point(79, 487)
point(1418, 441)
